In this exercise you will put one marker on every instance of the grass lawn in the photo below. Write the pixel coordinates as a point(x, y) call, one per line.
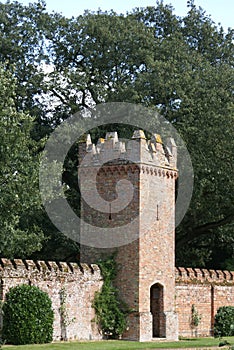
point(123, 345)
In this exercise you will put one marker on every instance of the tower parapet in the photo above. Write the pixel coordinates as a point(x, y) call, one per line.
point(136, 150)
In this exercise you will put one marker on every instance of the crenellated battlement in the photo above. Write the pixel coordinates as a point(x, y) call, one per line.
point(206, 289)
point(195, 275)
point(182, 274)
point(22, 267)
point(69, 285)
point(136, 150)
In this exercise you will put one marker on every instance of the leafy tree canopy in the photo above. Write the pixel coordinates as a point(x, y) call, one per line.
point(19, 193)
point(181, 65)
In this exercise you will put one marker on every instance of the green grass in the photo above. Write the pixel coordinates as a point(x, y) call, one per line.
point(123, 345)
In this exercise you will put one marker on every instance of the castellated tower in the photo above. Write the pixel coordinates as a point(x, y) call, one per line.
point(128, 207)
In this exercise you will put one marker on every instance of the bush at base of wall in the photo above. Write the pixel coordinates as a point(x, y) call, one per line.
point(27, 316)
point(224, 322)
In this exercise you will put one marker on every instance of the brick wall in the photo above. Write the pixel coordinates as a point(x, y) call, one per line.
point(207, 290)
point(79, 282)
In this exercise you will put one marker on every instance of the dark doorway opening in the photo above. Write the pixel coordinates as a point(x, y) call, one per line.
point(157, 310)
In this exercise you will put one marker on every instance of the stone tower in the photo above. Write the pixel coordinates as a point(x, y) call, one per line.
point(134, 220)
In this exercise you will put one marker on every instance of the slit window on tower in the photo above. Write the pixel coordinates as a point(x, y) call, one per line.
point(110, 217)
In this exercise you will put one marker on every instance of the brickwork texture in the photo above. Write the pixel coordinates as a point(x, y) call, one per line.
point(160, 297)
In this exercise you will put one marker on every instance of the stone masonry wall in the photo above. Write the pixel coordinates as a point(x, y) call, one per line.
point(207, 290)
point(78, 283)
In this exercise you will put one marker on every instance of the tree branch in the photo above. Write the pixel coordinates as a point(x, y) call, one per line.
point(204, 229)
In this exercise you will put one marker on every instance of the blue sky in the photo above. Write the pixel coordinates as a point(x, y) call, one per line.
point(220, 10)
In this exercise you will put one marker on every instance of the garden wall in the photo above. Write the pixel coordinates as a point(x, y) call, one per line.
point(207, 290)
point(71, 288)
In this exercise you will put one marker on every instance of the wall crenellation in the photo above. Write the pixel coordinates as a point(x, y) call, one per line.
point(80, 281)
point(44, 266)
point(207, 291)
point(183, 274)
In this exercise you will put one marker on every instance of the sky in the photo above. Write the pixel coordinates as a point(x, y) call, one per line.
point(221, 11)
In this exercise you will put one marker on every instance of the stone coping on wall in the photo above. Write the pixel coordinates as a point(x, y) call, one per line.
point(182, 275)
point(197, 276)
point(20, 267)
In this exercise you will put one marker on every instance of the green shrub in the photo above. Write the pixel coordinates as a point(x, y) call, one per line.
point(110, 312)
point(27, 316)
point(224, 322)
point(195, 318)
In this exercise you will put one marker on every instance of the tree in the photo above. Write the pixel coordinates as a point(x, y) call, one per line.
point(24, 54)
point(19, 193)
point(183, 66)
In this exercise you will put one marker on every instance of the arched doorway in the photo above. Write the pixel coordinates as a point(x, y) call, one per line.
point(156, 308)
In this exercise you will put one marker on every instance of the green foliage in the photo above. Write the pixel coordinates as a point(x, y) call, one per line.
point(22, 48)
point(224, 322)
point(183, 66)
point(19, 193)
point(195, 317)
point(110, 314)
point(28, 316)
